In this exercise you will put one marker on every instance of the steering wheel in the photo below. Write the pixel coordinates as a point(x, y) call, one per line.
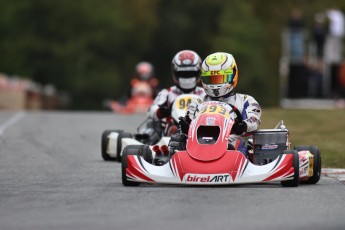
point(239, 117)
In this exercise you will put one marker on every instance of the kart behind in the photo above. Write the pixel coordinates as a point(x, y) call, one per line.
point(139, 102)
point(208, 159)
point(150, 132)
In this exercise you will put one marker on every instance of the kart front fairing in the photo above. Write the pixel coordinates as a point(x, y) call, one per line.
point(231, 168)
point(206, 159)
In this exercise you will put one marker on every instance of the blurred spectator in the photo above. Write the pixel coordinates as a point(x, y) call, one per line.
point(341, 79)
point(315, 80)
point(315, 60)
point(336, 34)
point(294, 42)
point(296, 35)
point(319, 34)
point(334, 48)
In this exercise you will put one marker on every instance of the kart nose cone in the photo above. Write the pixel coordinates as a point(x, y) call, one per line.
point(207, 138)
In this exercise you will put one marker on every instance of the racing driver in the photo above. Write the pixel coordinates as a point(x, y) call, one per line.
point(144, 72)
point(186, 73)
point(219, 79)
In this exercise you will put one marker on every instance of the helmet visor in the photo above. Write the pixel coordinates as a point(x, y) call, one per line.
point(187, 74)
point(217, 79)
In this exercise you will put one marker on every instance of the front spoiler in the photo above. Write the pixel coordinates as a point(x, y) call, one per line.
point(232, 168)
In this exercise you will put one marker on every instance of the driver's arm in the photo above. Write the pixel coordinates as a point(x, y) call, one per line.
point(253, 112)
point(159, 101)
point(192, 110)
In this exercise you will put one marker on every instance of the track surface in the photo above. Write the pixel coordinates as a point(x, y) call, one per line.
point(52, 177)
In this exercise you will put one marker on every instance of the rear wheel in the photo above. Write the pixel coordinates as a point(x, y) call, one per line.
point(295, 181)
point(104, 144)
point(119, 143)
point(317, 162)
point(129, 150)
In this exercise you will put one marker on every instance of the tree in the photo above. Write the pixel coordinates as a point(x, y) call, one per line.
point(241, 33)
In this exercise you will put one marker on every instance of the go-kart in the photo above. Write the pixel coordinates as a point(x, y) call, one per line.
point(150, 132)
point(139, 102)
point(207, 158)
point(136, 104)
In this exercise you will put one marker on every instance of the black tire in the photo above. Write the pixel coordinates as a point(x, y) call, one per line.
point(129, 150)
point(295, 181)
point(119, 143)
point(104, 145)
point(146, 152)
point(142, 150)
point(317, 162)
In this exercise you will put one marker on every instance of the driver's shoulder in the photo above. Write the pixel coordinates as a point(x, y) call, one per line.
point(244, 97)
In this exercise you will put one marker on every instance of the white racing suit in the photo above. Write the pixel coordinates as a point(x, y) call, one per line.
point(248, 107)
point(166, 97)
point(154, 126)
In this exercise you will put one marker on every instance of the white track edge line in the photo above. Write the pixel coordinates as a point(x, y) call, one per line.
point(15, 118)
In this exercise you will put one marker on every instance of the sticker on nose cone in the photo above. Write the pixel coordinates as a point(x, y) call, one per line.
point(206, 178)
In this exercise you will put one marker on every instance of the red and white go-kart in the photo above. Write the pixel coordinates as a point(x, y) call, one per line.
point(208, 159)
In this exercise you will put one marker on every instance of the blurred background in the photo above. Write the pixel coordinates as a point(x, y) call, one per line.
point(73, 55)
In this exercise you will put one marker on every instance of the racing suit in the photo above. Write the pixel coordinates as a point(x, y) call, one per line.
point(159, 113)
point(248, 107)
point(152, 82)
point(166, 98)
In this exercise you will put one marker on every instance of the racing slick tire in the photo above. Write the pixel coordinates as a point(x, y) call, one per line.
point(317, 162)
point(142, 150)
point(146, 152)
point(119, 143)
point(104, 145)
point(295, 181)
point(129, 150)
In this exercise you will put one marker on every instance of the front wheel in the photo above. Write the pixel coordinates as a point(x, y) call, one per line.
point(141, 150)
point(128, 151)
point(295, 181)
point(317, 162)
point(146, 153)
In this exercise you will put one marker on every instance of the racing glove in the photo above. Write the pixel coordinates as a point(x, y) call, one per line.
point(239, 128)
point(184, 124)
point(163, 111)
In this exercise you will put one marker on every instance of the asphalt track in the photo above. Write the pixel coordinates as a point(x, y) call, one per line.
point(52, 177)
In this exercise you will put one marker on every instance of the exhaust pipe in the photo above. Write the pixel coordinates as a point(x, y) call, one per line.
point(157, 150)
point(165, 149)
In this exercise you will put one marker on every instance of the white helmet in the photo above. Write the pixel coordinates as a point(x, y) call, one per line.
point(186, 69)
point(219, 74)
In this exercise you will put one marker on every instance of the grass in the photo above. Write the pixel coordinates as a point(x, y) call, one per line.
point(323, 128)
